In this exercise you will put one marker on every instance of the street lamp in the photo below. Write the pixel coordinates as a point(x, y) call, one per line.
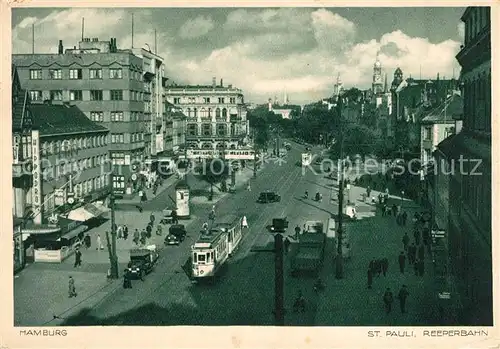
point(113, 258)
point(339, 270)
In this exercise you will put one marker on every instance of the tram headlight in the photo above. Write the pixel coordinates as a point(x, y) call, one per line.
point(201, 272)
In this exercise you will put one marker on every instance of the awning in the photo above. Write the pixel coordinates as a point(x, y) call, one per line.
point(89, 211)
point(72, 233)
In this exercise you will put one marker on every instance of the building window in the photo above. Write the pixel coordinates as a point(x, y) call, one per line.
point(117, 138)
point(206, 100)
point(192, 129)
point(195, 112)
point(75, 74)
point(56, 95)
point(35, 74)
point(217, 112)
point(177, 100)
point(115, 73)
point(224, 113)
point(55, 74)
point(96, 73)
point(75, 95)
point(133, 95)
point(427, 133)
point(95, 95)
point(188, 112)
point(221, 100)
point(221, 129)
point(116, 116)
point(116, 95)
point(206, 130)
point(36, 95)
point(97, 116)
point(118, 159)
point(232, 100)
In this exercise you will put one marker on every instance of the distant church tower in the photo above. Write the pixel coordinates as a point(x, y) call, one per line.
point(337, 88)
point(285, 99)
point(377, 84)
point(398, 79)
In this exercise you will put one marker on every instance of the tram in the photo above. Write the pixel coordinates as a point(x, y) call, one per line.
point(212, 249)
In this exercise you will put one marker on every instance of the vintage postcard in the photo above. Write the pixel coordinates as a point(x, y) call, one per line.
point(211, 175)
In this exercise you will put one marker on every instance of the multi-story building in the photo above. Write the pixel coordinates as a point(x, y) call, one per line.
point(61, 166)
point(216, 115)
point(462, 208)
point(119, 89)
point(438, 125)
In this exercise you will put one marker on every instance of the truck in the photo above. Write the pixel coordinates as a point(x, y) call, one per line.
point(309, 255)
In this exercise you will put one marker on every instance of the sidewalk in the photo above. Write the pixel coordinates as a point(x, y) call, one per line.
point(51, 280)
point(348, 301)
point(167, 183)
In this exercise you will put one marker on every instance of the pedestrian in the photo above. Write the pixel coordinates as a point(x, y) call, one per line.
point(78, 258)
point(368, 191)
point(297, 232)
point(125, 232)
point(402, 260)
point(244, 223)
point(204, 228)
point(388, 299)
point(380, 198)
point(149, 229)
point(412, 253)
point(371, 265)
point(136, 236)
point(385, 265)
point(152, 218)
point(421, 266)
point(421, 252)
point(287, 245)
point(249, 188)
point(99, 245)
point(71, 288)
point(370, 278)
point(88, 241)
point(119, 232)
point(416, 267)
point(127, 283)
point(378, 265)
point(416, 236)
point(403, 294)
point(406, 241)
point(394, 210)
point(404, 218)
point(175, 219)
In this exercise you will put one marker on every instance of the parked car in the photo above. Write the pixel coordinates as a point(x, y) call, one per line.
point(268, 196)
point(142, 261)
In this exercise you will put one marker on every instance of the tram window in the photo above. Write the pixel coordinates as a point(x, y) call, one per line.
point(201, 257)
point(208, 257)
point(195, 260)
point(212, 255)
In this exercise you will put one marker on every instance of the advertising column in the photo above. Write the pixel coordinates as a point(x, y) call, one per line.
point(37, 186)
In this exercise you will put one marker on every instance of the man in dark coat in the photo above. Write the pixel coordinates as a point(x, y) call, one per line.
point(404, 217)
point(406, 241)
point(416, 236)
point(403, 294)
point(402, 260)
point(125, 232)
point(370, 278)
point(385, 265)
point(388, 299)
point(421, 267)
point(127, 283)
point(412, 253)
point(78, 258)
point(421, 252)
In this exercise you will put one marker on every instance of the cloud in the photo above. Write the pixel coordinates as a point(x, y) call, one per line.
point(262, 51)
point(197, 27)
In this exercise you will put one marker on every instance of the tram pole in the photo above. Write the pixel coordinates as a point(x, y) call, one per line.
point(279, 313)
point(339, 270)
point(112, 245)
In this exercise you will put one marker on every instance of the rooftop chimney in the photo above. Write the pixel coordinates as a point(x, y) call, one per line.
point(214, 81)
point(60, 48)
point(221, 84)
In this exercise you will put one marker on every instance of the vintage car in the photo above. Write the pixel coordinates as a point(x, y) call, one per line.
point(176, 234)
point(268, 196)
point(142, 261)
point(168, 216)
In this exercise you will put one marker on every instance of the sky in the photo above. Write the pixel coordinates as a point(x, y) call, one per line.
point(264, 51)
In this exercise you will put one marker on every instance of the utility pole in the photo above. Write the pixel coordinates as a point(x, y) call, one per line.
point(279, 312)
point(113, 258)
point(339, 271)
point(254, 155)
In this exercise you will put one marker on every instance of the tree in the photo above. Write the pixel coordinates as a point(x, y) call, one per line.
point(215, 171)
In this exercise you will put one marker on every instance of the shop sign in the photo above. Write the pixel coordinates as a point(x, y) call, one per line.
point(37, 185)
